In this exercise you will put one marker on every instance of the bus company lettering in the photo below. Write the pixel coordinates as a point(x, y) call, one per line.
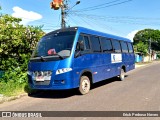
point(116, 58)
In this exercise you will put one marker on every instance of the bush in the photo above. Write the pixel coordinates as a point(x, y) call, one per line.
point(16, 45)
point(11, 88)
point(13, 82)
point(158, 56)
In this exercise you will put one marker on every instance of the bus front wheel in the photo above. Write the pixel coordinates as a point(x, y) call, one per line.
point(84, 85)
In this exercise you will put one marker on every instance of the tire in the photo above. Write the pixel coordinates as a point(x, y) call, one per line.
point(85, 85)
point(122, 75)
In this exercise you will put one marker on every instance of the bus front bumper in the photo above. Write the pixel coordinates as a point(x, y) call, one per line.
point(57, 82)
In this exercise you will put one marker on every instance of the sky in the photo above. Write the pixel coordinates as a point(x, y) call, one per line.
point(119, 17)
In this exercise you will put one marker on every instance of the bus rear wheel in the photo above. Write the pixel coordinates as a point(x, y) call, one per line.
point(122, 75)
point(85, 85)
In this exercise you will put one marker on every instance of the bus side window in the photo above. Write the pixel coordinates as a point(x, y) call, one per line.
point(124, 47)
point(130, 47)
point(95, 44)
point(80, 44)
point(106, 45)
point(83, 42)
point(116, 46)
point(86, 41)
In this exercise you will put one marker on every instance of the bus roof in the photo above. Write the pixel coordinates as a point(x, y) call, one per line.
point(92, 32)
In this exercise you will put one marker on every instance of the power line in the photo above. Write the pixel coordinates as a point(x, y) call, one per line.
point(85, 21)
point(73, 20)
point(98, 6)
point(94, 24)
point(125, 20)
point(116, 17)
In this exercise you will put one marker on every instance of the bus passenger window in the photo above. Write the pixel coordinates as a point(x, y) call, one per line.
point(130, 47)
point(86, 41)
point(106, 45)
point(116, 46)
point(95, 44)
point(83, 43)
point(124, 47)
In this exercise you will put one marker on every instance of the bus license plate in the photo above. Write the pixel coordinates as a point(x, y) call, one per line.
point(40, 78)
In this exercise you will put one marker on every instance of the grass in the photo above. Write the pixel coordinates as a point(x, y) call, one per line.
point(12, 88)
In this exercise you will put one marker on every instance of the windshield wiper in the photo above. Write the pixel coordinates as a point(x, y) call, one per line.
point(61, 57)
point(42, 58)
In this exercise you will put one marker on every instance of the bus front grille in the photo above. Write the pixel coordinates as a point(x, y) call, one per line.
point(46, 82)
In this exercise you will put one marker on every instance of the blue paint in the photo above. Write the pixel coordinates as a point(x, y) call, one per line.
point(90, 62)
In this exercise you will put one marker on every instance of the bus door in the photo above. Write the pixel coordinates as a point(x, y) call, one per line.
point(82, 57)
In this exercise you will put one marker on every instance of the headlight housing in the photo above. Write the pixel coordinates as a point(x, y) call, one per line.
point(40, 75)
point(63, 70)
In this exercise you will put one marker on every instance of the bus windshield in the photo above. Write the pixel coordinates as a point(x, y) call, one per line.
point(57, 44)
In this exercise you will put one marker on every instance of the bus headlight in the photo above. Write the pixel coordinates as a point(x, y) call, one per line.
point(63, 70)
point(29, 72)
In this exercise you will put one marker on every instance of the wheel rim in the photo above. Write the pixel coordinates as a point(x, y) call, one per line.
point(85, 85)
point(122, 74)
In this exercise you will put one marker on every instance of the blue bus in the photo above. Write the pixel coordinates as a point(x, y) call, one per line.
point(77, 57)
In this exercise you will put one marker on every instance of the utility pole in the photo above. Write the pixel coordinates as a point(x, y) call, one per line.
point(63, 14)
point(150, 49)
point(63, 4)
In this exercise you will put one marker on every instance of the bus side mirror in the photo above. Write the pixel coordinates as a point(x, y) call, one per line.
point(77, 54)
point(81, 45)
point(79, 48)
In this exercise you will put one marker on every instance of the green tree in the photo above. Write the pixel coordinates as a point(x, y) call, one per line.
point(141, 47)
point(17, 42)
point(141, 40)
point(16, 45)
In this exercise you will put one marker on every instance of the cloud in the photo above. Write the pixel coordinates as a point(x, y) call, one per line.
point(132, 34)
point(26, 16)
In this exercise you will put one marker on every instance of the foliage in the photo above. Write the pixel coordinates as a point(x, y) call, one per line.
point(14, 83)
point(12, 88)
point(17, 42)
point(144, 36)
point(16, 45)
point(141, 47)
point(158, 55)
